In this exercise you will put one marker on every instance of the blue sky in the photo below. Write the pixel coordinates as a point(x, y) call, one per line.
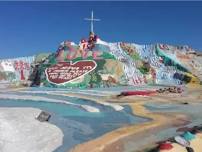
point(27, 28)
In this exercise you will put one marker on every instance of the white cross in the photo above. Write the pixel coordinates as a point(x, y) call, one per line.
point(92, 20)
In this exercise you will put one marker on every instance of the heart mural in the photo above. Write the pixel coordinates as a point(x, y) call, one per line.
point(65, 72)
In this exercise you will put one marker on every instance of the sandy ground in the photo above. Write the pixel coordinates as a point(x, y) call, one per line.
point(21, 132)
point(113, 141)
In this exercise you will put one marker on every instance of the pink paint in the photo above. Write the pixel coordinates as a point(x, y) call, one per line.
point(138, 92)
point(96, 55)
point(21, 66)
point(72, 53)
point(163, 47)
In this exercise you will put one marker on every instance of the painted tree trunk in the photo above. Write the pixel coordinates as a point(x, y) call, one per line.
point(22, 77)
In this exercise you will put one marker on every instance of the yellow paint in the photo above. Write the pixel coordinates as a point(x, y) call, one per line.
point(194, 79)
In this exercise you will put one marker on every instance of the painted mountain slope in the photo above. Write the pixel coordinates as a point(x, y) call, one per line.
point(115, 64)
point(98, 63)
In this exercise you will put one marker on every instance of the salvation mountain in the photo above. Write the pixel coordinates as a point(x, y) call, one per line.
point(96, 63)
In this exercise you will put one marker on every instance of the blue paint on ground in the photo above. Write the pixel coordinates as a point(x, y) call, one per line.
point(77, 124)
point(192, 110)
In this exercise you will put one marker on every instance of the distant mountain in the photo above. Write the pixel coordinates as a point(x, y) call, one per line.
point(96, 63)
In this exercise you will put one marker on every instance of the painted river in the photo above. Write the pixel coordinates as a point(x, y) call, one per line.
point(77, 124)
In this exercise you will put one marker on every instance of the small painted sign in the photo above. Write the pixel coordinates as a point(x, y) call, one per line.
point(65, 72)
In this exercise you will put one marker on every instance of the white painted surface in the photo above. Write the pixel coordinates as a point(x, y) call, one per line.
point(21, 132)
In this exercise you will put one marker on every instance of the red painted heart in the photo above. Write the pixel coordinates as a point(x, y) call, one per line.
point(64, 72)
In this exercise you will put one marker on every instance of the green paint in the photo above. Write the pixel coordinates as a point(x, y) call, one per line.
point(106, 55)
point(169, 62)
point(135, 56)
point(143, 70)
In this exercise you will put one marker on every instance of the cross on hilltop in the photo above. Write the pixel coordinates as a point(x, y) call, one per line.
point(91, 20)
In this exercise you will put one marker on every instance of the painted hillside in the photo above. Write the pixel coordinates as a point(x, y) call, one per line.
point(96, 63)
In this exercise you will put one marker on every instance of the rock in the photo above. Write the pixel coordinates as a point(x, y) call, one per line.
point(43, 116)
point(185, 103)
